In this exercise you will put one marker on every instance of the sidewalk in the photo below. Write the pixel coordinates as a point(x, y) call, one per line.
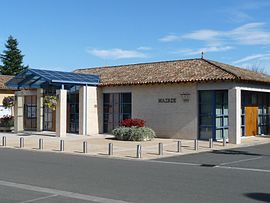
point(97, 145)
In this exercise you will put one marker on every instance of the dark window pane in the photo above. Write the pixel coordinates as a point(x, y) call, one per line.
point(206, 120)
point(219, 98)
point(206, 109)
point(126, 108)
point(106, 117)
point(126, 97)
point(126, 116)
point(106, 98)
point(206, 97)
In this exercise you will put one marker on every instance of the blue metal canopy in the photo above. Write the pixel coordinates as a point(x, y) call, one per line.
point(35, 78)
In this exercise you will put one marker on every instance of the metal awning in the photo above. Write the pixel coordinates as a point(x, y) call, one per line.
point(35, 78)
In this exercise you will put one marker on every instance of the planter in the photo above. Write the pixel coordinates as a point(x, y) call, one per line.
point(6, 129)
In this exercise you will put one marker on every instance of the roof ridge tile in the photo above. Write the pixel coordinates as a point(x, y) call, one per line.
point(237, 77)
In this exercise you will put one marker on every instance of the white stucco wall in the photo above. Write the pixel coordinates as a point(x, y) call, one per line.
point(169, 120)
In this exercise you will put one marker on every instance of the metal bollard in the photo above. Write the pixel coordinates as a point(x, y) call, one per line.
point(211, 143)
point(62, 146)
point(160, 149)
point(40, 144)
point(196, 145)
point(110, 149)
point(4, 141)
point(139, 151)
point(224, 141)
point(84, 147)
point(21, 142)
point(179, 146)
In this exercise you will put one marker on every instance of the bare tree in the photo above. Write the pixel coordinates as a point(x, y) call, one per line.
point(258, 68)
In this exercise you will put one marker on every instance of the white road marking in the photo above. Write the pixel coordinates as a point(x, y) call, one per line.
point(72, 195)
point(37, 199)
point(217, 166)
point(174, 163)
point(238, 161)
point(244, 169)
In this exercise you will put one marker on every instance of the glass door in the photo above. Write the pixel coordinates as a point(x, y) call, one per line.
point(73, 112)
point(30, 112)
point(49, 119)
point(49, 116)
point(116, 107)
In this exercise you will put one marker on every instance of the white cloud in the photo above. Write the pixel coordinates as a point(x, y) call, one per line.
point(255, 57)
point(116, 53)
point(143, 48)
point(238, 16)
point(247, 34)
point(250, 34)
point(252, 5)
point(202, 35)
point(189, 52)
point(209, 36)
point(170, 38)
point(240, 12)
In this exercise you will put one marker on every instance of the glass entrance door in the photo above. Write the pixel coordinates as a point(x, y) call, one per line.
point(49, 119)
point(213, 114)
point(73, 112)
point(49, 116)
point(30, 112)
point(116, 107)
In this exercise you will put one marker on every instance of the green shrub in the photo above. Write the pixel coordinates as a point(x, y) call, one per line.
point(122, 133)
point(134, 133)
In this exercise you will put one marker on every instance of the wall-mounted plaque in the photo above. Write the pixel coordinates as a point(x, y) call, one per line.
point(167, 100)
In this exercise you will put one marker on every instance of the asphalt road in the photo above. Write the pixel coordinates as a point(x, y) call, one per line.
point(238, 175)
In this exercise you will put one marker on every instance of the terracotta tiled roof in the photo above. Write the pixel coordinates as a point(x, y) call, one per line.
point(3, 80)
point(243, 74)
point(190, 70)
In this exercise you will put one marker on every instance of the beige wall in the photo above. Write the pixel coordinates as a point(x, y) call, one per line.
point(169, 120)
point(61, 113)
point(89, 95)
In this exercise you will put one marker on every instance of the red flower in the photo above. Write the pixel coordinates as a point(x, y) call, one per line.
point(133, 122)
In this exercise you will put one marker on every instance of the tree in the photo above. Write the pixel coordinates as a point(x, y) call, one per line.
point(12, 58)
point(257, 67)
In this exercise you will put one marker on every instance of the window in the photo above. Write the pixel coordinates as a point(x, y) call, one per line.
point(116, 107)
point(31, 111)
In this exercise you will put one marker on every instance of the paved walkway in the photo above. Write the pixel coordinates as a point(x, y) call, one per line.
point(97, 145)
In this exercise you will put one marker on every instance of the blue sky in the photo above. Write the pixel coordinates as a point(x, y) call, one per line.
point(70, 34)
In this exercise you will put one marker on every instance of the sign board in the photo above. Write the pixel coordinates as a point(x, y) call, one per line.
point(167, 100)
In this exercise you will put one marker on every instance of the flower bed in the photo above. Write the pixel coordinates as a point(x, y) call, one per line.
point(7, 123)
point(133, 130)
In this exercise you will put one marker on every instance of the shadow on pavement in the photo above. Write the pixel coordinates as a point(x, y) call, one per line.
point(235, 152)
point(263, 197)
